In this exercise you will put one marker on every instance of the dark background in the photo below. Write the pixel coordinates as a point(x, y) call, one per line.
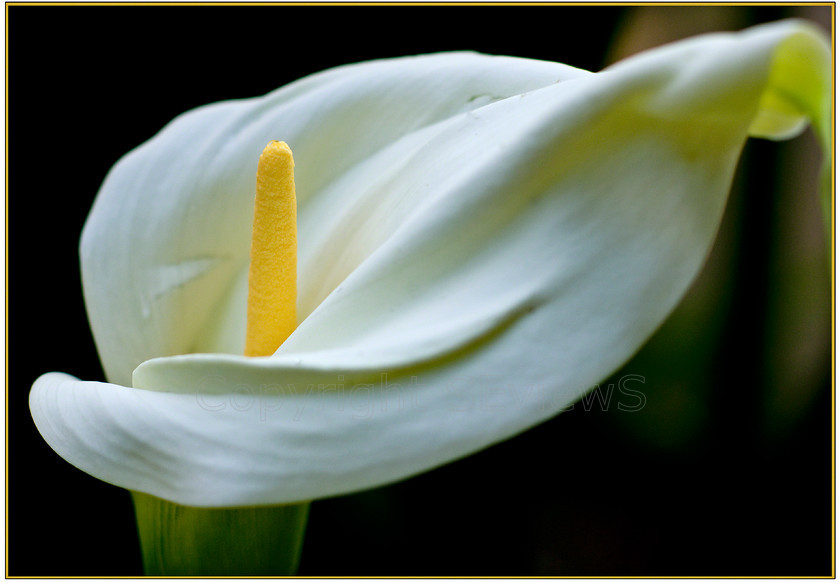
point(725, 471)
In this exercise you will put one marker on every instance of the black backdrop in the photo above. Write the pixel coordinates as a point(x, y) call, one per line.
point(575, 496)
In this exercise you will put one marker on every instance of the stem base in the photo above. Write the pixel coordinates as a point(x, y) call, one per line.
point(193, 541)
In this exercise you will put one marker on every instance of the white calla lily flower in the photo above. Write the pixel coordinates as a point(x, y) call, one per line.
point(481, 239)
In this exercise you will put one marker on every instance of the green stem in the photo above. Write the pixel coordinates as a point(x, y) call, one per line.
point(194, 541)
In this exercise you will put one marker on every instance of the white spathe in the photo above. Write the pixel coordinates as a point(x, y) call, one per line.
point(481, 240)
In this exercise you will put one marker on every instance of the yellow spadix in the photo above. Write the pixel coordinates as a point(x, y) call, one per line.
point(272, 277)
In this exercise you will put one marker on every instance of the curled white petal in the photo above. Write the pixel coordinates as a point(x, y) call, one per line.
point(481, 241)
point(168, 237)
